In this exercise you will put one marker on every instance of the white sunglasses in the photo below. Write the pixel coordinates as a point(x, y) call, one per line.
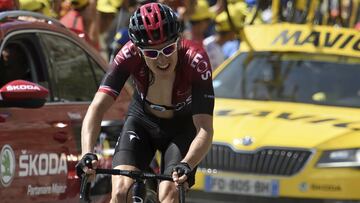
point(166, 51)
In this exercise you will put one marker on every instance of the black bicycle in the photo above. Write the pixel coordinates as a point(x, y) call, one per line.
point(138, 188)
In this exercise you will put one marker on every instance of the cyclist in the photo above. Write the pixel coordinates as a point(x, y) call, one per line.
point(171, 109)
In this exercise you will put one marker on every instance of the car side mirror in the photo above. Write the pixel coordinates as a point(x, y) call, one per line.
point(24, 94)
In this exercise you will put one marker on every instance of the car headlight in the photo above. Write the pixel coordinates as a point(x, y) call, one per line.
point(340, 158)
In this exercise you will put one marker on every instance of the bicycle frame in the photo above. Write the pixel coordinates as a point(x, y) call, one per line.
point(139, 178)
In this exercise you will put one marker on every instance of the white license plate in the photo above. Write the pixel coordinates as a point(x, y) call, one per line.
point(245, 186)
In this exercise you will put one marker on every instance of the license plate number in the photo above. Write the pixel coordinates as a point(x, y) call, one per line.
point(246, 186)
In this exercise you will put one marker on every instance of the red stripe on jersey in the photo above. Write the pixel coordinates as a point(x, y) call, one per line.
point(108, 91)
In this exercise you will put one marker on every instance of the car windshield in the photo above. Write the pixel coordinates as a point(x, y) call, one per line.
point(293, 77)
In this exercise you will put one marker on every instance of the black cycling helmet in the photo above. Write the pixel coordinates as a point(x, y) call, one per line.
point(153, 24)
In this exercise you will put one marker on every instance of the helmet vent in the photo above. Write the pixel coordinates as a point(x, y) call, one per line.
point(132, 22)
point(147, 21)
point(156, 19)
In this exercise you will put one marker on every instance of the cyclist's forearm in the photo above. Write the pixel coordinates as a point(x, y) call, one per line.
point(90, 131)
point(199, 147)
point(92, 121)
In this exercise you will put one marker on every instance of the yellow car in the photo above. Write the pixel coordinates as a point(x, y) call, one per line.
point(287, 118)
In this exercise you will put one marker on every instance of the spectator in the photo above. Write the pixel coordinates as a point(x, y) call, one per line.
point(81, 17)
point(119, 22)
point(39, 6)
point(56, 7)
point(200, 20)
point(120, 39)
point(184, 8)
point(254, 15)
point(65, 7)
point(224, 43)
point(107, 11)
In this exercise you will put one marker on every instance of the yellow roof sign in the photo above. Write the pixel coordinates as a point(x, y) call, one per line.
point(303, 38)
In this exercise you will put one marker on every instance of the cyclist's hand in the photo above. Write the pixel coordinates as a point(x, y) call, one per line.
point(87, 165)
point(181, 172)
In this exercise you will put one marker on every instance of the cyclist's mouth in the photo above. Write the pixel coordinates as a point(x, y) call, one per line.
point(163, 67)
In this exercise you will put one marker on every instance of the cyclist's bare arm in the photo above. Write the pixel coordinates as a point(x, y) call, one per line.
point(92, 121)
point(202, 142)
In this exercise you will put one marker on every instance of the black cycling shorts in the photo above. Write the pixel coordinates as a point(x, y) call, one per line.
point(142, 135)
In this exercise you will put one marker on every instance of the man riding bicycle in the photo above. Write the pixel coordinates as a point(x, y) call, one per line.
point(172, 106)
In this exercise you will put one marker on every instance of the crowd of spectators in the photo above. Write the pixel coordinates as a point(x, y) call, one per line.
point(105, 22)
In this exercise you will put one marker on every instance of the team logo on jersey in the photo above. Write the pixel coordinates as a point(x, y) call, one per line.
point(133, 135)
point(201, 66)
point(7, 170)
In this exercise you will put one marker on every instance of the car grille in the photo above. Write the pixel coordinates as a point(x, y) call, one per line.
point(267, 161)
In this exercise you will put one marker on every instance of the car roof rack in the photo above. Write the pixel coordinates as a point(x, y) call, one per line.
point(19, 13)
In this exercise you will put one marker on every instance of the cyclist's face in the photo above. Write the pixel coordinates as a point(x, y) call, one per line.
point(162, 65)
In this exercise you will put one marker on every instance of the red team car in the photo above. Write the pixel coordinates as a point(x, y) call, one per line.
point(48, 76)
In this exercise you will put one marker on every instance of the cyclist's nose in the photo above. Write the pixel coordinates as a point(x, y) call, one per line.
point(162, 58)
